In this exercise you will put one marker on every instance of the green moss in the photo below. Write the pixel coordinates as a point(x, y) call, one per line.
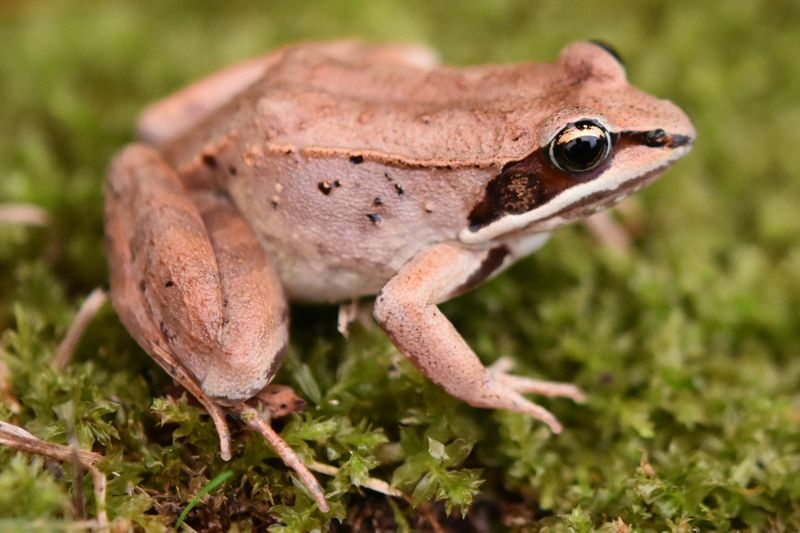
point(688, 349)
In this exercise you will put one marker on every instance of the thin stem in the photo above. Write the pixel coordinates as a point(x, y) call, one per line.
point(17, 438)
point(83, 317)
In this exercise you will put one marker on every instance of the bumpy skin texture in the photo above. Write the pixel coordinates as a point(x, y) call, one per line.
point(327, 172)
point(189, 276)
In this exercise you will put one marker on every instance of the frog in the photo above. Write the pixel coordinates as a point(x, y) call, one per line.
point(336, 171)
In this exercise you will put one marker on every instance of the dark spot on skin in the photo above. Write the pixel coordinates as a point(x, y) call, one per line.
point(324, 187)
point(232, 170)
point(337, 183)
point(492, 261)
point(141, 285)
point(374, 218)
point(519, 188)
point(377, 201)
point(166, 332)
point(356, 159)
point(610, 49)
point(283, 406)
point(275, 364)
point(387, 176)
point(399, 189)
point(274, 204)
point(169, 284)
point(210, 161)
point(220, 193)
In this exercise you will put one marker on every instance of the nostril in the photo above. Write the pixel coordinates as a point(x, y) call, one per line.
point(657, 137)
point(676, 141)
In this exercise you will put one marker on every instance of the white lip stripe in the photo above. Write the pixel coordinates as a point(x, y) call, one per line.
point(509, 223)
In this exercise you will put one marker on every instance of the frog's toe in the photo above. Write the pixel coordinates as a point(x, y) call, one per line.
point(492, 393)
point(257, 422)
point(551, 389)
point(524, 385)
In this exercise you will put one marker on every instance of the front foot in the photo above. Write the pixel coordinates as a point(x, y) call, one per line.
point(406, 309)
point(525, 385)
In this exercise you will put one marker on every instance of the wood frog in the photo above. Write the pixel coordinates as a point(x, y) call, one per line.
point(333, 171)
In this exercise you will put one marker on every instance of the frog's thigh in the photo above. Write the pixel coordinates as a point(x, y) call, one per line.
point(406, 309)
point(192, 275)
point(354, 51)
point(415, 55)
point(177, 113)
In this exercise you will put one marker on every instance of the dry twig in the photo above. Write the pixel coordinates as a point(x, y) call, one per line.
point(83, 317)
point(375, 484)
point(17, 438)
point(26, 214)
point(6, 395)
point(606, 230)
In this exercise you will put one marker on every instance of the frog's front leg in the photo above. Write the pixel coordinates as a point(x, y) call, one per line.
point(406, 309)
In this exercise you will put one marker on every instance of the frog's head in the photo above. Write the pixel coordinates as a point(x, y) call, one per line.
point(603, 141)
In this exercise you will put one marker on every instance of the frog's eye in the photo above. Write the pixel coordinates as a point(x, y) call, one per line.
point(580, 147)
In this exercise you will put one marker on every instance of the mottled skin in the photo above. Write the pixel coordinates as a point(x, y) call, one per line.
point(328, 172)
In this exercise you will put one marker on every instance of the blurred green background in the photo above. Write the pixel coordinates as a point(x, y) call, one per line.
point(689, 348)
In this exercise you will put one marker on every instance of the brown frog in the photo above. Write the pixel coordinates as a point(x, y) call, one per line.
point(328, 172)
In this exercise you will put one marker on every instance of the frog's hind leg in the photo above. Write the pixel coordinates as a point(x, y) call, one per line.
point(192, 267)
point(168, 118)
point(406, 309)
point(414, 55)
point(176, 114)
point(195, 289)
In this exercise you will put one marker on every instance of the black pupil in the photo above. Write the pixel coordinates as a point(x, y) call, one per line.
point(584, 150)
point(580, 147)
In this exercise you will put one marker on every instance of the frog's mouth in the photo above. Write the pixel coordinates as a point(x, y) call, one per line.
point(531, 196)
point(601, 200)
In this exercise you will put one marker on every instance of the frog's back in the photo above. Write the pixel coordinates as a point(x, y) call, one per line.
point(346, 167)
point(323, 102)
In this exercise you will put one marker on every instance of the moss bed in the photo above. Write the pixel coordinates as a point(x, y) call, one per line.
point(689, 347)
